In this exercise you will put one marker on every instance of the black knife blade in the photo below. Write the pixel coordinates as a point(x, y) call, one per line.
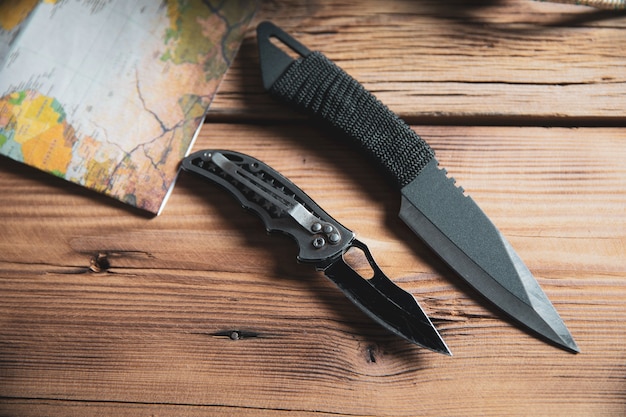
point(322, 241)
point(432, 206)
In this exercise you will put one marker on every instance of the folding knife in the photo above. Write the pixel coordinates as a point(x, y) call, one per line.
point(432, 205)
point(322, 240)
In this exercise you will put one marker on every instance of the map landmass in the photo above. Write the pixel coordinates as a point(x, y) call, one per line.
point(117, 113)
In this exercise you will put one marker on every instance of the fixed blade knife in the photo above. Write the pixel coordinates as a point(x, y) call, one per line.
point(321, 239)
point(438, 211)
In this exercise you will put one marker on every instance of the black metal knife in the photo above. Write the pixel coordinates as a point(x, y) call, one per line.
point(432, 206)
point(322, 240)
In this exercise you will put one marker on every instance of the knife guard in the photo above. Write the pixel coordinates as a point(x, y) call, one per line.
point(315, 85)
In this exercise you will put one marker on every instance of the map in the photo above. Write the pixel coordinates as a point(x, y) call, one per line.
point(110, 94)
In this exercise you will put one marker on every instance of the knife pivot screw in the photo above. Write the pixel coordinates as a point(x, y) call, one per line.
point(316, 227)
point(319, 242)
point(334, 238)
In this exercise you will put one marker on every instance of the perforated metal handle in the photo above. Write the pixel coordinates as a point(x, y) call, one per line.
point(282, 206)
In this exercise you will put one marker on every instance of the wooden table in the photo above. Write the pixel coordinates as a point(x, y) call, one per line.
point(107, 311)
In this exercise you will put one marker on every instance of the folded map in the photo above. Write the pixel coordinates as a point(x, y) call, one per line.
point(110, 94)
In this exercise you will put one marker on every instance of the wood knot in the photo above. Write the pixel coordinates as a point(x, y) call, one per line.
point(236, 334)
point(99, 263)
point(371, 352)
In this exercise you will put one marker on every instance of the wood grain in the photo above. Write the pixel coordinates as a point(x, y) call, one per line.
point(152, 333)
point(107, 311)
point(513, 62)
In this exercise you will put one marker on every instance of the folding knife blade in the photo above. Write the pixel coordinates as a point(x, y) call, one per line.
point(322, 240)
point(437, 211)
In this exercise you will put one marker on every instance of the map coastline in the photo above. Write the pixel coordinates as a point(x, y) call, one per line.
point(118, 114)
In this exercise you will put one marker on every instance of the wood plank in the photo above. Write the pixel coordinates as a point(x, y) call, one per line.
point(513, 61)
point(150, 333)
point(73, 409)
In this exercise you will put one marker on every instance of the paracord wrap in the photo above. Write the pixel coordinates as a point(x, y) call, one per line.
point(320, 88)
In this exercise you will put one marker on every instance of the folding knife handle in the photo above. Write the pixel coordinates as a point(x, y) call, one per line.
point(315, 85)
point(282, 206)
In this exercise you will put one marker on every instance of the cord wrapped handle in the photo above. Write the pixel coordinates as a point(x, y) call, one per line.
point(318, 87)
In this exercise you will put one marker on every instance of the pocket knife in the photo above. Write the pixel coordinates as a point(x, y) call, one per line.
point(432, 205)
point(322, 240)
